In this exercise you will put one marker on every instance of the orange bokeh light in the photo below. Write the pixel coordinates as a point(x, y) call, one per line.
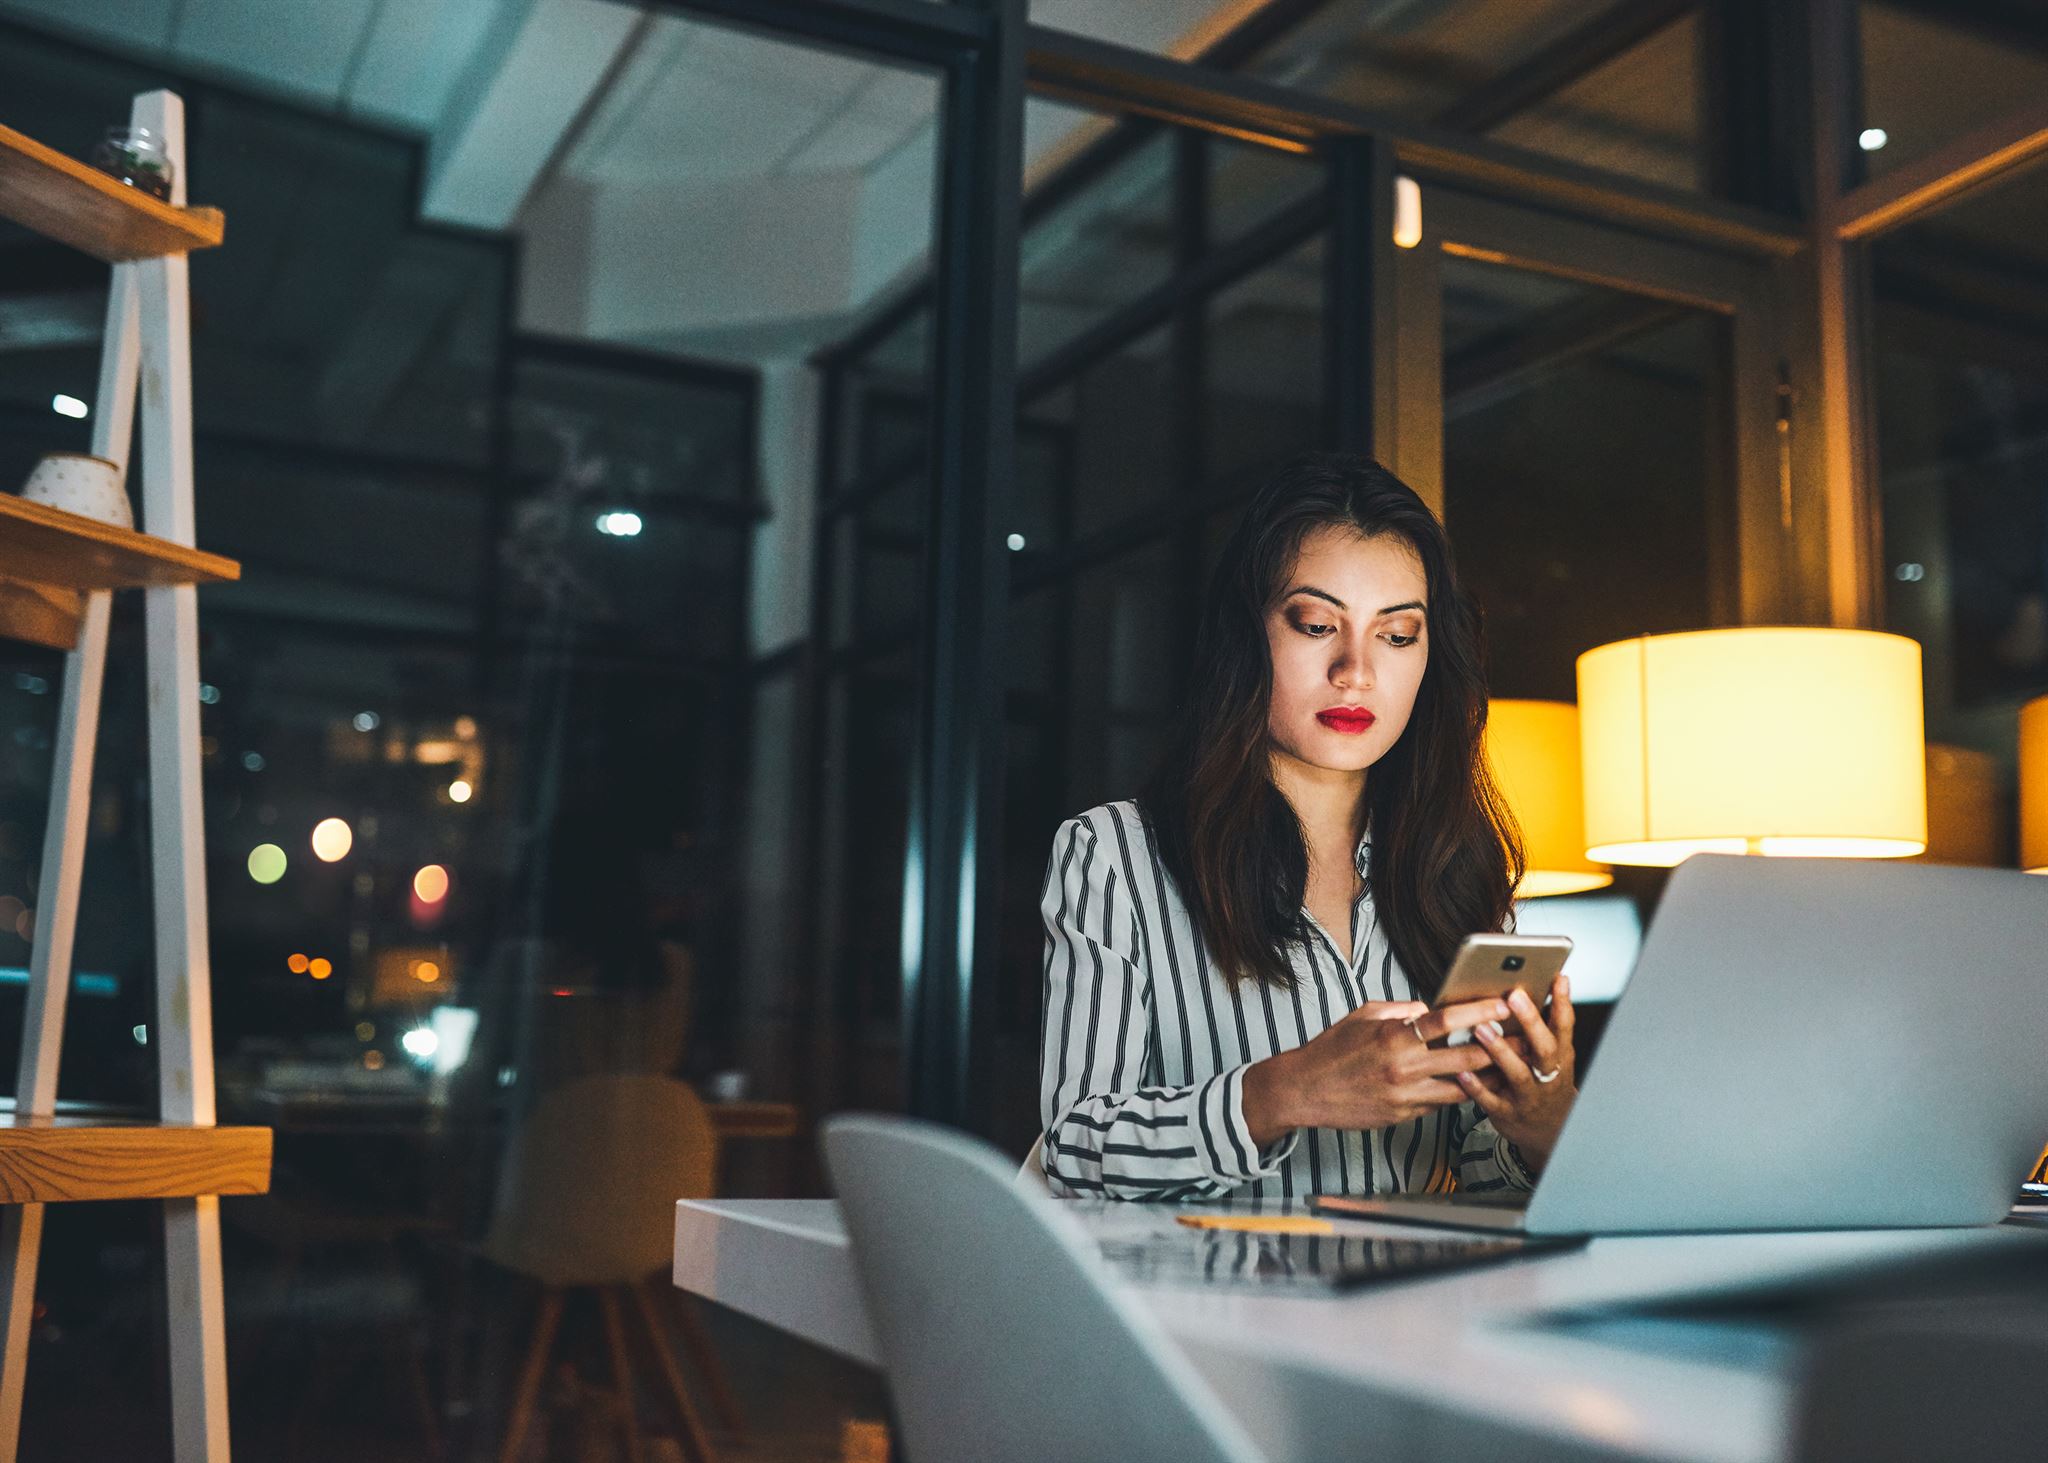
point(431, 884)
point(298, 964)
point(426, 972)
point(320, 968)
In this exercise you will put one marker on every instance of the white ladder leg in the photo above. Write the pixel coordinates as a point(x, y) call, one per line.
point(64, 839)
point(49, 982)
point(198, 1346)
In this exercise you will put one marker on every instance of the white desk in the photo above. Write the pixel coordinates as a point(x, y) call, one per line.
point(1466, 1365)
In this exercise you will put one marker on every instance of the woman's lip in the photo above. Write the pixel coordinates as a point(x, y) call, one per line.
point(1349, 722)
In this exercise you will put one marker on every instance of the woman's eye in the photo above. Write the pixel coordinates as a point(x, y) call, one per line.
point(1318, 631)
point(1399, 641)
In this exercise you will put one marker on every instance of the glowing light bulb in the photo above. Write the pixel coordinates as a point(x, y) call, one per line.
point(266, 863)
point(459, 790)
point(332, 839)
point(69, 406)
point(431, 884)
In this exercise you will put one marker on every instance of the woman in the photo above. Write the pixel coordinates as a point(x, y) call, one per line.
point(1236, 963)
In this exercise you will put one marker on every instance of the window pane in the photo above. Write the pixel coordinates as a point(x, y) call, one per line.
point(1932, 75)
point(1636, 113)
point(1113, 425)
point(1639, 114)
point(1101, 238)
point(631, 428)
point(1249, 185)
point(1583, 432)
point(1263, 362)
point(1960, 351)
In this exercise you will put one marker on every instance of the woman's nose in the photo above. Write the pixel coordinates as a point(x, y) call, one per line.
point(1351, 670)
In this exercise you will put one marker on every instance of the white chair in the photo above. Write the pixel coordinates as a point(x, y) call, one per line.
point(1003, 1339)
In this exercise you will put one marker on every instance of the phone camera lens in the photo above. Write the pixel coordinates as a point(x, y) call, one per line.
point(1511, 962)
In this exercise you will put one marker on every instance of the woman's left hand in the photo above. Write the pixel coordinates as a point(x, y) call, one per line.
point(1527, 1112)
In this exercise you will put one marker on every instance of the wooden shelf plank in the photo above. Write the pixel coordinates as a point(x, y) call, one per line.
point(70, 1159)
point(62, 198)
point(45, 545)
point(41, 614)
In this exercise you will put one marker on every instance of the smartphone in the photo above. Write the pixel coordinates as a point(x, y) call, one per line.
point(1489, 966)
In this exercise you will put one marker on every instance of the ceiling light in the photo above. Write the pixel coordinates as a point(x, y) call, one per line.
point(1873, 138)
point(68, 406)
point(619, 523)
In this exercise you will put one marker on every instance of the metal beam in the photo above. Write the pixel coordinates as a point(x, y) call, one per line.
point(1118, 79)
point(916, 31)
point(953, 855)
point(1360, 349)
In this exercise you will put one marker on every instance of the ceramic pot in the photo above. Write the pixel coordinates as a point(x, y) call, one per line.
point(88, 486)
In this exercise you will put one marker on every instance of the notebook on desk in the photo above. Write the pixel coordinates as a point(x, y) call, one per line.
point(1804, 1044)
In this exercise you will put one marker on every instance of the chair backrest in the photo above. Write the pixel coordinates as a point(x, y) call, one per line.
point(1003, 1337)
point(589, 1189)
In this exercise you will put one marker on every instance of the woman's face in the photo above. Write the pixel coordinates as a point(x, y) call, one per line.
point(1350, 640)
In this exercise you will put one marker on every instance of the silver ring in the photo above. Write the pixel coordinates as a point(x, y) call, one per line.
point(1550, 1076)
point(1410, 1024)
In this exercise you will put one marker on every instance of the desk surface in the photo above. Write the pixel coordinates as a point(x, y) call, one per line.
point(1454, 1366)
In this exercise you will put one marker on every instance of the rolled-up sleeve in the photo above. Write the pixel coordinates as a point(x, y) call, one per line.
point(1483, 1160)
point(1108, 1133)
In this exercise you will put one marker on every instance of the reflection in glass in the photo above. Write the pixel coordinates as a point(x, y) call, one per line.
point(1583, 477)
point(1640, 114)
point(1961, 404)
point(1932, 74)
point(1263, 365)
point(1636, 113)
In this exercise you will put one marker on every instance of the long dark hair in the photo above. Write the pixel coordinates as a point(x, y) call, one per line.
point(1446, 852)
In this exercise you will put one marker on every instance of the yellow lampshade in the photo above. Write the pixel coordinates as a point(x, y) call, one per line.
point(2034, 786)
point(1533, 749)
point(1781, 741)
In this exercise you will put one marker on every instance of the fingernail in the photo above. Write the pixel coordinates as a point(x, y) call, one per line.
point(1519, 1000)
point(1500, 1009)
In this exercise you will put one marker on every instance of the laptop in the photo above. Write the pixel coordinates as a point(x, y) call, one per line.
point(1804, 1044)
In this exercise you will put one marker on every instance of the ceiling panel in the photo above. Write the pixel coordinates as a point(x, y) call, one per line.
point(131, 24)
point(413, 56)
point(309, 53)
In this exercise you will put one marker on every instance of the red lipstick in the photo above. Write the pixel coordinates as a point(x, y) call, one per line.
point(1350, 720)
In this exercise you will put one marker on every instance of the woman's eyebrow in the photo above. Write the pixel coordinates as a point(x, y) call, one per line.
point(1326, 595)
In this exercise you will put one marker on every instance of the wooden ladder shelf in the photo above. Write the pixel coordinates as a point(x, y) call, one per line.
point(58, 572)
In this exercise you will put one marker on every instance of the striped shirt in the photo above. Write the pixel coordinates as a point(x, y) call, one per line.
point(1145, 1045)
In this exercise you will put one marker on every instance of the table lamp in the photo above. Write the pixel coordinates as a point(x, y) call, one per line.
point(1761, 740)
point(1533, 749)
point(2034, 786)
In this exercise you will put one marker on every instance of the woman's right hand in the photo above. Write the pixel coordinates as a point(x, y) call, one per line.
point(1372, 1069)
